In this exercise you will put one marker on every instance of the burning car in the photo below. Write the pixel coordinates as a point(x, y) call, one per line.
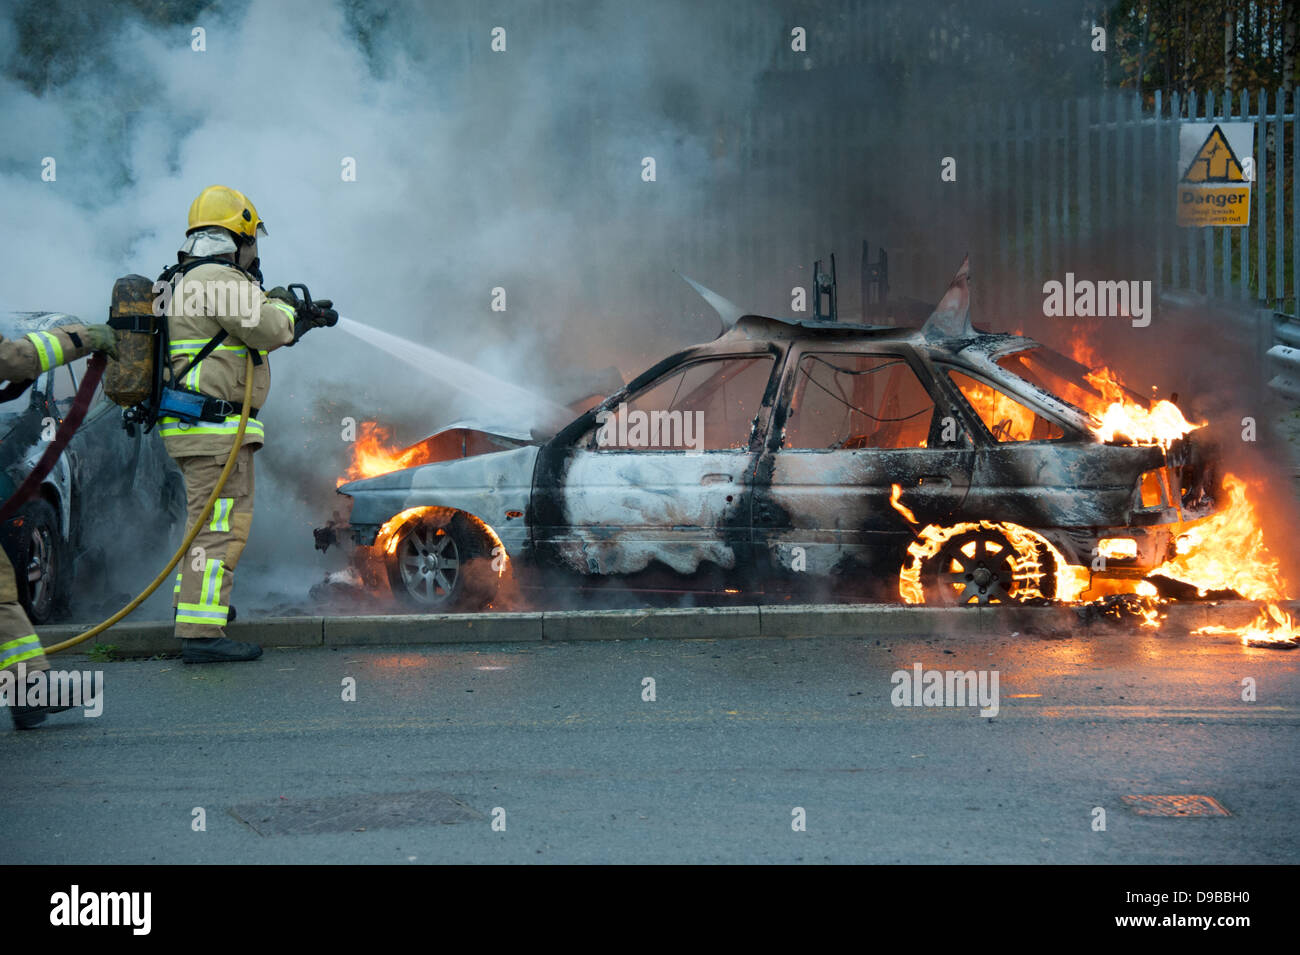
point(939, 464)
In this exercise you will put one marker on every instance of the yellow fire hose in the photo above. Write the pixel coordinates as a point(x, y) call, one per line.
point(193, 531)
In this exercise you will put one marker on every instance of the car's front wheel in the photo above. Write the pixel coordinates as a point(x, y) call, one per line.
point(443, 565)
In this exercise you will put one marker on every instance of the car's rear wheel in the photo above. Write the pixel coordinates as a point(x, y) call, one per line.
point(980, 567)
point(442, 565)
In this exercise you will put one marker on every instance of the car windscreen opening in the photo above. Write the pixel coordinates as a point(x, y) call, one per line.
point(1085, 389)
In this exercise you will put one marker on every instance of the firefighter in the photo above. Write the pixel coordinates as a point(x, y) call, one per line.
point(23, 360)
point(220, 300)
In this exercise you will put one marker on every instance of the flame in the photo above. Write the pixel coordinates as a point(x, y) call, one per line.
point(1081, 349)
point(374, 453)
point(1149, 607)
point(1118, 417)
point(1026, 569)
point(895, 500)
point(388, 537)
point(1228, 552)
point(1273, 627)
point(1224, 552)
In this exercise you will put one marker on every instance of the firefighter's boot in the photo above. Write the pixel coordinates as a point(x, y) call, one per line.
point(30, 717)
point(27, 717)
point(217, 650)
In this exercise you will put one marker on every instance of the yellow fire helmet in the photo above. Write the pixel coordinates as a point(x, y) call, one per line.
point(228, 208)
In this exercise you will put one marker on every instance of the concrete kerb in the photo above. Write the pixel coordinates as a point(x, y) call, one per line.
point(652, 624)
point(401, 630)
point(871, 620)
point(845, 620)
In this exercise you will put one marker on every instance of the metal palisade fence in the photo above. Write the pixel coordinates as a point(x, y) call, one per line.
point(1090, 188)
point(1043, 188)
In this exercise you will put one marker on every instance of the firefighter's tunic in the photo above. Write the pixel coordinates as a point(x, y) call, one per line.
point(23, 359)
point(206, 300)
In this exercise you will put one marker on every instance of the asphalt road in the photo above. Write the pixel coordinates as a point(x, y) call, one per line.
point(740, 734)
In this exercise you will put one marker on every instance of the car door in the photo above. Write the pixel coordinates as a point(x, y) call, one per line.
point(854, 420)
point(661, 473)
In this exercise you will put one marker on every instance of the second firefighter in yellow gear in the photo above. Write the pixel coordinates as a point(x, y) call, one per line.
point(24, 360)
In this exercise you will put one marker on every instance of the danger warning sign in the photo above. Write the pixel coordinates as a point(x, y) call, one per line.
point(1215, 170)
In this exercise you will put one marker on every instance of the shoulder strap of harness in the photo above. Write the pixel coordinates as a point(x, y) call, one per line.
point(181, 268)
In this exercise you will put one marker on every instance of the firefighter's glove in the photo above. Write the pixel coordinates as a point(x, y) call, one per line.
point(284, 295)
point(324, 314)
point(102, 338)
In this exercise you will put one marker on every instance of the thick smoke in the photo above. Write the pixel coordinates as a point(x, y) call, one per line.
point(474, 170)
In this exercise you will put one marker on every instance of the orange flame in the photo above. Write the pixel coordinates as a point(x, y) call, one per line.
point(1228, 551)
point(896, 501)
point(388, 537)
point(374, 453)
point(390, 534)
point(1273, 626)
point(1120, 418)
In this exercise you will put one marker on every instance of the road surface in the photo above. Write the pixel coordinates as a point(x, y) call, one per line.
point(557, 743)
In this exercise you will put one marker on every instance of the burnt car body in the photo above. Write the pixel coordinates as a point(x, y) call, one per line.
point(107, 489)
point(804, 430)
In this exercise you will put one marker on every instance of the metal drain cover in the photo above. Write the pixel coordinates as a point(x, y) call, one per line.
point(294, 817)
point(1181, 805)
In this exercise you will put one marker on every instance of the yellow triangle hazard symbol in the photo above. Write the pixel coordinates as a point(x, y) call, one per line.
point(1214, 161)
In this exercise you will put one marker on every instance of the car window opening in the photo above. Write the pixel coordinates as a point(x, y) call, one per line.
point(708, 405)
point(849, 408)
point(1006, 419)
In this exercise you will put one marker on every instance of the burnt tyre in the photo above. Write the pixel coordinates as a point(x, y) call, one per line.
point(442, 565)
point(980, 567)
point(36, 552)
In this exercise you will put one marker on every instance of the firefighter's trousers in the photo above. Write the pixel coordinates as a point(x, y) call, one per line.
point(18, 640)
point(207, 572)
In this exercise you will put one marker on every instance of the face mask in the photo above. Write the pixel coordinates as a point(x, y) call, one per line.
point(249, 261)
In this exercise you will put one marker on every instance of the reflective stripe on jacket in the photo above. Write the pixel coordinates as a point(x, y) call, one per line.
point(22, 359)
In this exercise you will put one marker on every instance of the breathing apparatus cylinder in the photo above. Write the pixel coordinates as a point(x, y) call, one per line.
point(131, 380)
